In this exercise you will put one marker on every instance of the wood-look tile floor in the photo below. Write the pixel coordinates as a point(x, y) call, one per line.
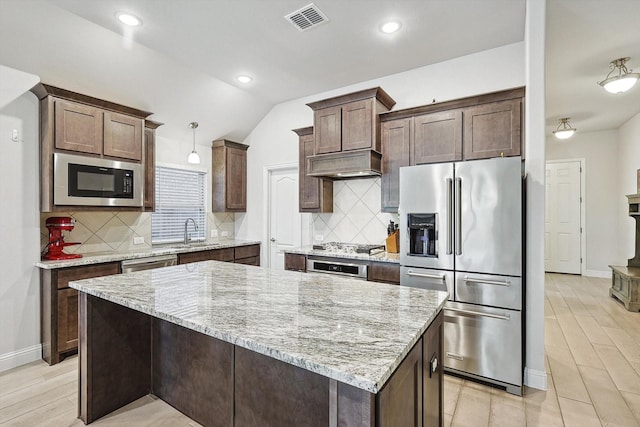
point(592, 356)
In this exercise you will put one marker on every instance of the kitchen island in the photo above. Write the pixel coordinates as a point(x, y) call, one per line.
point(230, 344)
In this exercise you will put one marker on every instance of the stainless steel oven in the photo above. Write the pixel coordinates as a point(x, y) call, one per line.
point(89, 181)
point(341, 266)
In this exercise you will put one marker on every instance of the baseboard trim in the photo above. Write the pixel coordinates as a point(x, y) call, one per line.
point(20, 357)
point(535, 379)
point(597, 273)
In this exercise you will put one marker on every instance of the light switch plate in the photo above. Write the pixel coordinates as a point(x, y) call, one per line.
point(225, 234)
point(139, 240)
point(214, 233)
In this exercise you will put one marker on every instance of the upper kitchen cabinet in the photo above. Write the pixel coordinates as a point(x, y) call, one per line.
point(349, 122)
point(99, 130)
point(396, 137)
point(314, 194)
point(437, 137)
point(493, 130)
point(149, 149)
point(229, 176)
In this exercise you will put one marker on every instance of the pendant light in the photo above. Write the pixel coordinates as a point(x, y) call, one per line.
point(623, 80)
point(564, 129)
point(194, 157)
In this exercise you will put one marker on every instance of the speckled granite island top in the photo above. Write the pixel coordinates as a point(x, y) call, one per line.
point(352, 331)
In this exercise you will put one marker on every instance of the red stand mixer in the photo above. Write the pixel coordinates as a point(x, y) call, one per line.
point(55, 247)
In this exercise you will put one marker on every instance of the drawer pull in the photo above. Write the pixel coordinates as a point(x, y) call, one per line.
point(477, 313)
point(454, 356)
point(426, 276)
point(487, 282)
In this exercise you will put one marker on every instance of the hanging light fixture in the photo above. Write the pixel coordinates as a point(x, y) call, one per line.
point(194, 157)
point(623, 80)
point(564, 129)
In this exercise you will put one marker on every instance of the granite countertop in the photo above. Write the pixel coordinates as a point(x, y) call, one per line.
point(349, 330)
point(154, 251)
point(379, 257)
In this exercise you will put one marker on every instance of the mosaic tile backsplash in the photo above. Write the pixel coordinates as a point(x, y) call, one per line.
point(100, 232)
point(356, 216)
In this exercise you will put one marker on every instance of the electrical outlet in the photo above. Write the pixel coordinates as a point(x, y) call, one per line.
point(319, 237)
point(225, 234)
point(214, 233)
point(15, 135)
point(138, 240)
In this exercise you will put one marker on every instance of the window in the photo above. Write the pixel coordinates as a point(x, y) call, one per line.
point(180, 194)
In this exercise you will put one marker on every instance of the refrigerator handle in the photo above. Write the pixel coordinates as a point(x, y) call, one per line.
point(458, 216)
point(449, 216)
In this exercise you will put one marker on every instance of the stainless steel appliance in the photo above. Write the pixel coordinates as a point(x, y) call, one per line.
point(80, 180)
point(131, 265)
point(343, 266)
point(462, 232)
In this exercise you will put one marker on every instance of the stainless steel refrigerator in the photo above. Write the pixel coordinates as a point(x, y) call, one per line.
point(461, 230)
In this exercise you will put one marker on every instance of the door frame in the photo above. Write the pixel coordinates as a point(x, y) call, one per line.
point(267, 172)
point(583, 215)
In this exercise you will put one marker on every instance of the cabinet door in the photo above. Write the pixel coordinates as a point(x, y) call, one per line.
point(78, 127)
point(225, 255)
point(357, 125)
point(67, 319)
point(384, 272)
point(122, 136)
point(328, 130)
point(437, 137)
point(236, 179)
point(433, 374)
point(308, 186)
point(493, 130)
point(396, 137)
point(295, 262)
point(149, 170)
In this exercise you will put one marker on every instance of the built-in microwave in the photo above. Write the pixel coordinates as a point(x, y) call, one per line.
point(89, 181)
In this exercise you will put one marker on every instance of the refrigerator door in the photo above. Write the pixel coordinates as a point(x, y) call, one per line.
point(488, 216)
point(426, 212)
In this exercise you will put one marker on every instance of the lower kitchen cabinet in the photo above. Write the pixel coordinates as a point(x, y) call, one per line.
point(295, 262)
point(59, 307)
point(433, 373)
point(384, 272)
point(249, 255)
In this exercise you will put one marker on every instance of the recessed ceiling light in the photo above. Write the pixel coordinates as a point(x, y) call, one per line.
point(244, 79)
point(390, 27)
point(129, 19)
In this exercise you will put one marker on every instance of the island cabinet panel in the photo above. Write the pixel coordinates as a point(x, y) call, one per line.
point(399, 403)
point(437, 137)
point(185, 364)
point(59, 308)
point(433, 374)
point(123, 136)
point(384, 272)
point(396, 137)
point(295, 262)
point(115, 357)
point(225, 255)
point(493, 130)
point(78, 127)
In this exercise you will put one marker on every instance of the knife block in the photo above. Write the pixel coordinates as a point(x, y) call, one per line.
point(393, 242)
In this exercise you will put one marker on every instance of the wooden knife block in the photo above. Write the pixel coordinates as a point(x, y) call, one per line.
point(393, 243)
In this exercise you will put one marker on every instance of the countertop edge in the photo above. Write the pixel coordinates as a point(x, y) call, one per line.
point(390, 258)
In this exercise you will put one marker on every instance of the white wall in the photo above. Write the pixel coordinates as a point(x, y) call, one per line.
point(628, 164)
point(601, 204)
point(20, 231)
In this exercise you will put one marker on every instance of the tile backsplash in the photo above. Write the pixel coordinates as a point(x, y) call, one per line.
point(100, 232)
point(356, 216)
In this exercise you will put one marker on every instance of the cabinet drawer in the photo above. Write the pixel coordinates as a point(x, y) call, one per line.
point(384, 272)
point(254, 260)
point(295, 262)
point(225, 255)
point(70, 274)
point(247, 251)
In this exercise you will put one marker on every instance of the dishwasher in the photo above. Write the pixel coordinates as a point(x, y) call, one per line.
point(131, 265)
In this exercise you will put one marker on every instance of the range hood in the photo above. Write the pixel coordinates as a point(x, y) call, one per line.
point(345, 164)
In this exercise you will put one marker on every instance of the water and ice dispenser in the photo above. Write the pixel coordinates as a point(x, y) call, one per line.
point(423, 234)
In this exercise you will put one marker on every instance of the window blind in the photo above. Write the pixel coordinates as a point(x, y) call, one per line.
point(180, 194)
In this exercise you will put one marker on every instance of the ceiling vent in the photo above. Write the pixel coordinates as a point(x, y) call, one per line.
point(306, 18)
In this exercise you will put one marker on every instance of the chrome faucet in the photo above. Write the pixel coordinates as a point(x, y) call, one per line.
point(186, 236)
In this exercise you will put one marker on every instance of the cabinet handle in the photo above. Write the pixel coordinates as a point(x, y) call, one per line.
point(459, 216)
point(488, 282)
point(449, 215)
point(434, 365)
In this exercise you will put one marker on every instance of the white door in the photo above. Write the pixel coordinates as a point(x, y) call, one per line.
point(562, 232)
point(284, 218)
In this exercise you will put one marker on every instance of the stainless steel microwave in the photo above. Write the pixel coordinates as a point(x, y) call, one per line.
point(89, 181)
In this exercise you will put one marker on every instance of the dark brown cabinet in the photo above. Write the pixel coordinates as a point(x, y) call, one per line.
point(328, 125)
point(433, 374)
point(396, 136)
point(249, 255)
point(122, 136)
point(437, 137)
point(229, 176)
point(493, 130)
point(384, 272)
point(59, 307)
point(314, 194)
point(295, 262)
point(150, 165)
point(78, 127)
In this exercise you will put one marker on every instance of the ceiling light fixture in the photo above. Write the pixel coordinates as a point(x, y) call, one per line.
point(564, 129)
point(244, 79)
point(623, 81)
point(194, 157)
point(129, 19)
point(390, 27)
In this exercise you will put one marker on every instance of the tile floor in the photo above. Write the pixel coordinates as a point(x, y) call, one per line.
point(593, 364)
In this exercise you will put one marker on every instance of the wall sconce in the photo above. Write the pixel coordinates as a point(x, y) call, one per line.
point(194, 157)
point(623, 81)
point(564, 129)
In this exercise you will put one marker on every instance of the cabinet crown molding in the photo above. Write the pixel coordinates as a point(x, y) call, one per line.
point(304, 131)
point(376, 92)
point(228, 143)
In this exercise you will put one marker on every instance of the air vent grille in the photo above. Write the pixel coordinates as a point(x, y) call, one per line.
point(306, 18)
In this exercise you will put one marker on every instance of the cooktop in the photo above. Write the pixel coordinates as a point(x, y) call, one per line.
point(349, 248)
